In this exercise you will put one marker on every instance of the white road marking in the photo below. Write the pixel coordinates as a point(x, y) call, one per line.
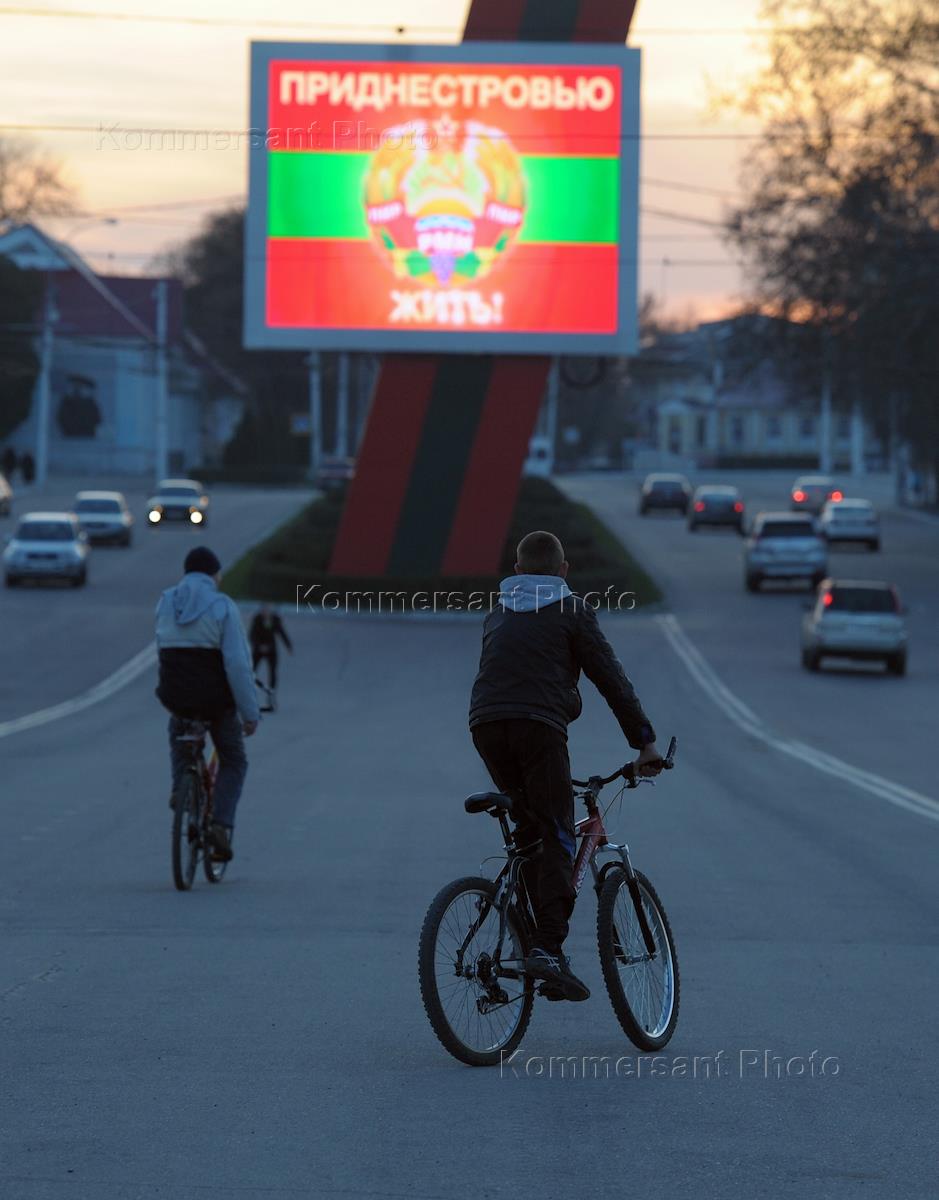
point(744, 718)
point(101, 691)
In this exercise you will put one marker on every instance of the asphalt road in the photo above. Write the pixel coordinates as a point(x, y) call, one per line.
point(266, 1039)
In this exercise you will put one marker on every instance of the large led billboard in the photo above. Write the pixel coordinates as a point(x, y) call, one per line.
point(472, 198)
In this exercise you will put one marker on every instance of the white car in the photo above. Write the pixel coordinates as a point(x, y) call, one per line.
point(178, 500)
point(104, 517)
point(854, 618)
point(851, 521)
point(47, 545)
point(784, 545)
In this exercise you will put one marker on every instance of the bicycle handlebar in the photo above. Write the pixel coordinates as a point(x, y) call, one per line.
point(628, 772)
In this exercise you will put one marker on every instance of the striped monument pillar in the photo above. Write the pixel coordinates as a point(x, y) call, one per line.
point(440, 462)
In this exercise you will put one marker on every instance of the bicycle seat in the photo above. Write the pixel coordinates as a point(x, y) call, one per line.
point(490, 802)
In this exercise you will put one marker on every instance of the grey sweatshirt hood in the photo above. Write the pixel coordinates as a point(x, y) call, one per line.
point(193, 596)
point(529, 593)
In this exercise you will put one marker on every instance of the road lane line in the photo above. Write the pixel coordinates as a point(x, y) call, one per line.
point(744, 718)
point(120, 678)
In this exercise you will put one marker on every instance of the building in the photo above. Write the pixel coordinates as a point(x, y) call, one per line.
point(102, 361)
point(705, 400)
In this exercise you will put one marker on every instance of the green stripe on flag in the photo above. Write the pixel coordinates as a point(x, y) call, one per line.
point(320, 194)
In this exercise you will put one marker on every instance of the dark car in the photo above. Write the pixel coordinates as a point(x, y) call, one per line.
point(178, 500)
point(810, 493)
point(664, 491)
point(713, 504)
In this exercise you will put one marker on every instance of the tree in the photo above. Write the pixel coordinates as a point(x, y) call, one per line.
point(211, 267)
point(20, 298)
point(31, 184)
point(840, 224)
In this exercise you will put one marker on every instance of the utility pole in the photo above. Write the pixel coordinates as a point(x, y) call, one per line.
point(315, 378)
point(857, 441)
point(162, 417)
point(824, 430)
point(342, 406)
point(44, 383)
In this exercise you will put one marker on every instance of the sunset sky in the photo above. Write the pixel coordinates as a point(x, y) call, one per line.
point(88, 70)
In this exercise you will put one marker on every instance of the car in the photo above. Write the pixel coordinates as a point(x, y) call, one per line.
point(850, 521)
point(6, 496)
point(178, 500)
point(858, 619)
point(334, 473)
point(714, 504)
point(664, 491)
point(104, 517)
point(810, 493)
point(784, 545)
point(47, 545)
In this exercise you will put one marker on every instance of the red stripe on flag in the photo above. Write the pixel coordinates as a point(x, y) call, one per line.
point(383, 467)
point(603, 20)
point(493, 473)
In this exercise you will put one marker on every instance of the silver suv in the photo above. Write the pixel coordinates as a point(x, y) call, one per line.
point(784, 546)
point(854, 618)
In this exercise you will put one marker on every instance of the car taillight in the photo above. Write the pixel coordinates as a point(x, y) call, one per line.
point(738, 507)
point(828, 599)
point(837, 496)
point(699, 506)
point(798, 496)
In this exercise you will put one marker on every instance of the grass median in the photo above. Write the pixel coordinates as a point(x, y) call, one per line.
point(293, 562)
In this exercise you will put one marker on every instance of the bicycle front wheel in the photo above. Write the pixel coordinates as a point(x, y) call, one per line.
point(478, 1015)
point(643, 988)
point(187, 807)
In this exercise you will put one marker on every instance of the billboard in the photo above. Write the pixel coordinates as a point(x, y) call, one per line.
point(427, 198)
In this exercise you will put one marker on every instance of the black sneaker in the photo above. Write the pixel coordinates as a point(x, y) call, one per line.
point(555, 970)
point(220, 843)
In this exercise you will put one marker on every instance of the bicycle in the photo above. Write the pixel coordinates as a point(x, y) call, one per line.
point(479, 999)
point(192, 805)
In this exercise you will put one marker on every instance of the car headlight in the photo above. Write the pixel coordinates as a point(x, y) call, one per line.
point(196, 517)
point(154, 516)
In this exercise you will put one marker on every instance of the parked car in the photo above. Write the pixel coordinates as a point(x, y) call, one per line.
point(713, 504)
point(851, 521)
point(6, 496)
point(811, 492)
point(47, 545)
point(856, 619)
point(664, 491)
point(178, 500)
point(104, 516)
point(784, 545)
point(334, 473)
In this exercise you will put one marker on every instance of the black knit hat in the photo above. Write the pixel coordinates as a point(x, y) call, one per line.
point(202, 559)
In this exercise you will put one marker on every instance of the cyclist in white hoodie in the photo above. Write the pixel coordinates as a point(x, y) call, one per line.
point(205, 674)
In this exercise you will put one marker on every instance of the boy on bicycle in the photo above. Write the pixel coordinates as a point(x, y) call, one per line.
point(535, 645)
point(206, 674)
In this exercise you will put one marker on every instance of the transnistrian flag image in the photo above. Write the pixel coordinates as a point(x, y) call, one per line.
point(447, 196)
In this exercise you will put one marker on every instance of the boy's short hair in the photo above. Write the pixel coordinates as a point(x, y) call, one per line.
point(539, 553)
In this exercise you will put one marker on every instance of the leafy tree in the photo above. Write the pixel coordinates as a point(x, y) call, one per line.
point(840, 224)
point(20, 298)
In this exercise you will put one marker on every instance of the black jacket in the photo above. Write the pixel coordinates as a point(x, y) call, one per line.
point(531, 662)
point(263, 634)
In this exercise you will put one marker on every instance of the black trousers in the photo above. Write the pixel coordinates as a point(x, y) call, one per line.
point(262, 652)
point(528, 759)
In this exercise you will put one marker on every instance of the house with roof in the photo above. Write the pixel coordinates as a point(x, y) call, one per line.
point(102, 337)
point(712, 397)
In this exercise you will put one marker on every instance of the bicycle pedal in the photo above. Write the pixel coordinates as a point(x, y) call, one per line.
point(551, 991)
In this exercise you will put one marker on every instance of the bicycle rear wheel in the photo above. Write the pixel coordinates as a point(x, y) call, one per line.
point(473, 1021)
point(644, 989)
point(187, 807)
